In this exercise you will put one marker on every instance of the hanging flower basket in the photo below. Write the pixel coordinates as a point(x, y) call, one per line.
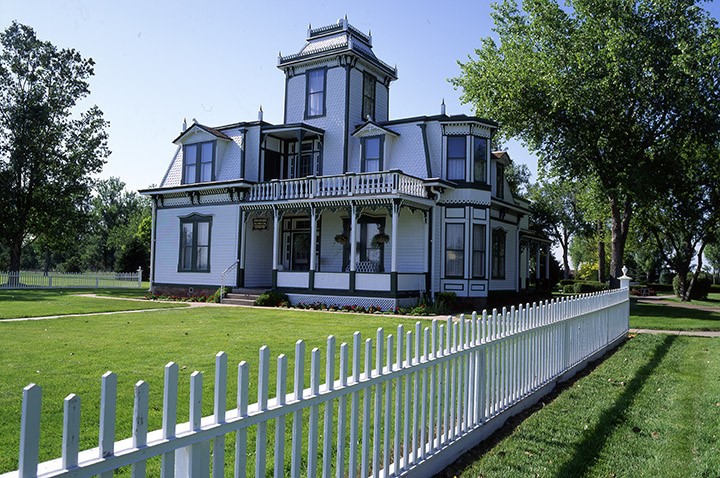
point(341, 239)
point(379, 238)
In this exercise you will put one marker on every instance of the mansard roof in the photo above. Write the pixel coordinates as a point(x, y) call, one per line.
point(462, 118)
point(333, 39)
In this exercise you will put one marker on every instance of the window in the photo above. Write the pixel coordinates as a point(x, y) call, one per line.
point(454, 250)
point(500, 181)
point(198, 162)
point(478, 251)
point(195, 243)
point(479, 159)
point(315, 103)
point(372, 154)
point(368, 106)
point(498, 253)
point(456, 158)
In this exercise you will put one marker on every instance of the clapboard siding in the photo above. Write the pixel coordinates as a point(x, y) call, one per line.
point(410, 243)
point(223, 244)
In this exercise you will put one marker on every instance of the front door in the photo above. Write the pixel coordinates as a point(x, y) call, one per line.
point(300, 251)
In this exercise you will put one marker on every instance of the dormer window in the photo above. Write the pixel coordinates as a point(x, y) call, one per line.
point(456, 158)
point(368, 106)
point(198, 162)
point(315, 101)
point(372, 154)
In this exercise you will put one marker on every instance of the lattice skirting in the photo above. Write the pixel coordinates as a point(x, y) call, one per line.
point(385, 303)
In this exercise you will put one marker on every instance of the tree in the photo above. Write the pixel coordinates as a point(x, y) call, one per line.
point(47, 155)
point(601, 89)
point(554, 211)
point(712, 253)
point(686, 217)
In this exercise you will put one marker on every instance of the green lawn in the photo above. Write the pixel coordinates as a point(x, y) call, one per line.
point(650, 410)
point(69, 355)
point(667, 315)
point(44, 302)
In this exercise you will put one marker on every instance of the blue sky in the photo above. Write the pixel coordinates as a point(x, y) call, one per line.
point(158, 62)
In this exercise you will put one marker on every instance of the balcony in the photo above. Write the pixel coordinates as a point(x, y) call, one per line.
point(344, 185)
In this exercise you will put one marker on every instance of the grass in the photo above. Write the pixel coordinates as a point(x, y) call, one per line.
point(669, 315)
point(69, 355)
point(651, 409)
point(45, 302)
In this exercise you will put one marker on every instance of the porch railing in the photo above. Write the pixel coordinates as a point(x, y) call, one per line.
point(388, 182)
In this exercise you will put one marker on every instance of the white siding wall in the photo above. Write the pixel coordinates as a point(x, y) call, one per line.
point(411, 243)
point(356, 98)
point(330, 251)
point(173, 176)
point(295, 99)
point(258, 255)
point(223, 244)
point(229, 155)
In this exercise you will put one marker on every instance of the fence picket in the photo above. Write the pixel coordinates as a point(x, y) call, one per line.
point(170, 392)
point(30, 431)
point(299, 386)
point(314, 412)
point(242, 410)
point(329, 386)
point(218, 464)
point(342, 425)
point(71, 431)
point(261, 437)
point(140, 425)
point(280, 394)
point(108, 402)
point(354, 406)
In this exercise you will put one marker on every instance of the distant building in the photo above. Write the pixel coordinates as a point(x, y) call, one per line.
point(340, 204)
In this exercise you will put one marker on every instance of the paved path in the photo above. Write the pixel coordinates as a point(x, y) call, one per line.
point(690, 333)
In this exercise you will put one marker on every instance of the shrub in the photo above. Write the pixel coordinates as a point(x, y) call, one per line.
point(564, 282)
point(444, 302)
point(588, 286)
point(216, 296)
point(569, 288)
point(700, 289)
point(272, 298)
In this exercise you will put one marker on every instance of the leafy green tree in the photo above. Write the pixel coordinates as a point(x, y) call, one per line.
point(555, 212)
point(686, 217)
point(601, 89)
point(116, 214)
point(47, 155)
point(712, 253)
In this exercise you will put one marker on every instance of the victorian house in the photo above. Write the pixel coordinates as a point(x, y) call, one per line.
point(341, 204)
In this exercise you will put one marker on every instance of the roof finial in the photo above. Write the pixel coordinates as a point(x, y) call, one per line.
point(309, 29)
point(260, 114)
point(442, 107)
point(195, 121)
point(345, 22)
point(184, 126)
point(370, 37)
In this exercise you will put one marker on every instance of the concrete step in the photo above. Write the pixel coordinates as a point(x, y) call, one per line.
point(234, 299)
point(247, 291)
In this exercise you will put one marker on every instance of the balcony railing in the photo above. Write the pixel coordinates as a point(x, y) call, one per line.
point(364, 184)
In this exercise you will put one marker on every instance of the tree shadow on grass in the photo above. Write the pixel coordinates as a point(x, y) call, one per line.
point(670, 311)
point(587, 451)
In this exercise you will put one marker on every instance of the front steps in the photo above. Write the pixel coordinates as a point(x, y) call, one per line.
point(242, 296)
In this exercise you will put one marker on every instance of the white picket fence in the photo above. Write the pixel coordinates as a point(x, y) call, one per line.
point(61, 280)
point(430, 395)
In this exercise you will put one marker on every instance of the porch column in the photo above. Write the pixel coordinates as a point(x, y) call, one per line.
point(353, 245)
point(276, 244)
point(313, 248)
point(393, 247)
point(241, 252)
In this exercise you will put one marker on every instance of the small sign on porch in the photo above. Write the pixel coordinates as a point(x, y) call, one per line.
point(260, 224)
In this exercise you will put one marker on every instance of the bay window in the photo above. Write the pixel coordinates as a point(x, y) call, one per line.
point(454, 250)
point(456, 158)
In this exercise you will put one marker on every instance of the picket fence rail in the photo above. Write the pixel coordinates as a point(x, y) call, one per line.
point(430, 394)
point(61, 280)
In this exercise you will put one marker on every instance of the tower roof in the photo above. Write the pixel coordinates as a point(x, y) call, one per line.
point(331, 40)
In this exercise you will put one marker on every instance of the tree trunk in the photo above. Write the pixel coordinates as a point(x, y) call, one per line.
point(621, 214)
point(601, 261)
point(15, 255)
point(48, 256)
point(695, 275)
point(565, 245)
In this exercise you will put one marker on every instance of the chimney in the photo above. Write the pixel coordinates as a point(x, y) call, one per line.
point(442, 108)
point(184, 125)
point(260, 114)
